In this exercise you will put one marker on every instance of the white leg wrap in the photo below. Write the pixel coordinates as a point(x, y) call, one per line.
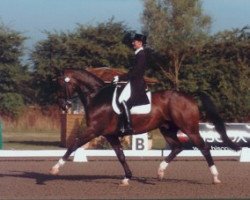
point(214, 171)
point(163, 165)
point(55, 169)
point(161, 169)
point(125, 182)
point(215, 174)
point(60, 163)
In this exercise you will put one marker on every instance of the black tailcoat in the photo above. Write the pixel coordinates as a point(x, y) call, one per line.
point(135, 77)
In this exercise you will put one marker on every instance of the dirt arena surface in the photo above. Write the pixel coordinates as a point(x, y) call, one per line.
point(99, 178)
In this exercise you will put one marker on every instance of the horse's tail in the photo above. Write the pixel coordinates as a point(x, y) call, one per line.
point(213, 115)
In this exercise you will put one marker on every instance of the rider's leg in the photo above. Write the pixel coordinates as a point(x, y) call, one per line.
point(126, 112)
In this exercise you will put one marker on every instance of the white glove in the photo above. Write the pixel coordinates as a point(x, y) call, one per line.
point(115, 79)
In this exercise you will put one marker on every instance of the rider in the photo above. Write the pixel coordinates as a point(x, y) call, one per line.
point(136, 80)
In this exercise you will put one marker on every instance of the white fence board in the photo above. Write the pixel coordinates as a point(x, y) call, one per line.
point(103, 153)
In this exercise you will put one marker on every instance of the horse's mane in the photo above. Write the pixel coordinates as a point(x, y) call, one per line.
point(103, 92)
point(85, 75)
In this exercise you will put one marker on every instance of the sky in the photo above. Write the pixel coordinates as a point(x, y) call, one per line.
point(33, 17)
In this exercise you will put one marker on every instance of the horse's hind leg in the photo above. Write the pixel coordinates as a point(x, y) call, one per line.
point(116, 145)
point(170, 135)
point(205, 150)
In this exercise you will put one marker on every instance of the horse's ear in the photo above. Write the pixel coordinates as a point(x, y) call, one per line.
point(57, 72)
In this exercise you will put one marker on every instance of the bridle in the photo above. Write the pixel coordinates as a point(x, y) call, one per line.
point(67, 97)
point(66, 88)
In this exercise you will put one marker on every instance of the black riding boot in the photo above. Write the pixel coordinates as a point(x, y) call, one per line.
point(128, 124)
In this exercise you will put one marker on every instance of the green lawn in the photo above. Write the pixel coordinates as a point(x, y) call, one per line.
point(158, 140)
point(51, 140)
point(30, 141)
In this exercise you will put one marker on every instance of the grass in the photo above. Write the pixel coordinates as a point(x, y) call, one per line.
point(31, 140)
point(51, 140)
point(158, 140)
point(39, 129)
point(35, 128)
point(33, 119)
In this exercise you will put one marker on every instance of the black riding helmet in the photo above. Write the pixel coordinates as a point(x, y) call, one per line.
point(140, 37)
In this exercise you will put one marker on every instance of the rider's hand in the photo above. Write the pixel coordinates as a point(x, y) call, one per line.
point(115, 80)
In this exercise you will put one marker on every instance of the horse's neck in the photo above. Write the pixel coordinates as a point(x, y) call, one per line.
point(88, 86)
point(89, 83)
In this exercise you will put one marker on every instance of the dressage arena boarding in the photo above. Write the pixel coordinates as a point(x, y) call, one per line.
point(96, 174)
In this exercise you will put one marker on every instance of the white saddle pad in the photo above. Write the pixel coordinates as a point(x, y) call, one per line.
point(125, 94)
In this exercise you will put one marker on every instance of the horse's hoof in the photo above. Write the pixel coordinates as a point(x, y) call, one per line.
point(124, 182)
point(216, 181)
point(54, 171)
point(160, 174)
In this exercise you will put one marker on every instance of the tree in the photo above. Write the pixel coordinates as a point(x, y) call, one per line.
point(13, 74)
point(87, 46)
point(222, 70)
point(176, 28)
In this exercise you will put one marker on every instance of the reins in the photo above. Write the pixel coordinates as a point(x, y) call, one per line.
point(68, 98)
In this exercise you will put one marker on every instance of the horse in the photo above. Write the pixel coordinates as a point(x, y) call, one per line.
point(171, 111)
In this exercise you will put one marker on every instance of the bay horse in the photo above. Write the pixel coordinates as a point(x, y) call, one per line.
point(171, 111)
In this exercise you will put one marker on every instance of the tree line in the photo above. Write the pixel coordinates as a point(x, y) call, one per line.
point(182, 56)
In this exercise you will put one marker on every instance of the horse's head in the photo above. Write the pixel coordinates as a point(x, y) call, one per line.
point(73, 81)
point(66, 89)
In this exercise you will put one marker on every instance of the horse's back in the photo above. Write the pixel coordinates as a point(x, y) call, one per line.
point(173, 95)
point(176, 106)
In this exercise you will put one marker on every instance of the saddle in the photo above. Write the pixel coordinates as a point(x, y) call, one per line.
point(123, 94)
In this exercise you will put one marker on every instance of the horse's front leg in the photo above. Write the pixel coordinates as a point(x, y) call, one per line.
point(78, 142)
point(116, 145)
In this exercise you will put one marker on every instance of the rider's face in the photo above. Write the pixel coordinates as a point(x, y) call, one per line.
point(137, 44)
